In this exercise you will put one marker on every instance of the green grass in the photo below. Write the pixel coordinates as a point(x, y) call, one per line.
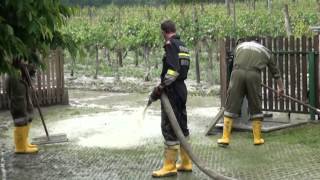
point(307, 135)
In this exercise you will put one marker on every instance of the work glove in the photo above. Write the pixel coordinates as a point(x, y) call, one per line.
point(280, 92)
point(156, 93)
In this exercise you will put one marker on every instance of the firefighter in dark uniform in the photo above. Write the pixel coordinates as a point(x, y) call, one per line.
point(21, 107)
point(250, 58)
point(175, 68)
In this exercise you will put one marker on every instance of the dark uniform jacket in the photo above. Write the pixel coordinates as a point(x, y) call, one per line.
point(19, 94)
point(176, 61)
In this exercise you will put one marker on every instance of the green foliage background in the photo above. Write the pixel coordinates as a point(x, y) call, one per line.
point(29, 28)
point(131, 27)
point(141, 23)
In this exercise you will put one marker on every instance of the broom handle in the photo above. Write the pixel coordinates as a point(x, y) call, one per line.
point(293, 99)
point(36, 100)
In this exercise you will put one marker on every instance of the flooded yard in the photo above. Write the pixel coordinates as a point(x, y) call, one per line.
point(109, 139)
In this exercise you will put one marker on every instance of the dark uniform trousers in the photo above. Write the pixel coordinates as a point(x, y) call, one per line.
point(177, 94)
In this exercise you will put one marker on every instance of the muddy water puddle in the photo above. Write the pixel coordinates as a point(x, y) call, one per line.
point(116, 129)
point(115, 120)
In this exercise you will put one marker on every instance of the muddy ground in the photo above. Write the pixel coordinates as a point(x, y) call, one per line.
point(110, 140)
point(132, 85)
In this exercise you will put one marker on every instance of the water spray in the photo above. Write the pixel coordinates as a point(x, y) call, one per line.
point(145, 109)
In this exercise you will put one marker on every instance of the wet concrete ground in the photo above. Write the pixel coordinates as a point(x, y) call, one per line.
point(110, 140)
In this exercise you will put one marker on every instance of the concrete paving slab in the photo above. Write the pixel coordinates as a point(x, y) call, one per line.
point(108, 140)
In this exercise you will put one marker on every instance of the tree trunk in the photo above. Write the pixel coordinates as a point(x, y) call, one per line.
point(119, 55)
point(90, 13)
point(287, 20)
point(228, 7)
point(124, 55)
point(107, 56)
point(254, 5)
point(116, 69)
point(318, 6)
point(136, 57)
point(234, 18)
point(197, 54)
point(269, 5)
point(97, 62)
point(87, 62)
point(202, 7)
point(196, 42)
point(156, 65)
point(182, 9)
point(73, 64)
point(209, 46)
point(146, 53)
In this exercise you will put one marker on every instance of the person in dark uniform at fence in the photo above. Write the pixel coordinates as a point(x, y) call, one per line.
point(250, 58)
point(21, 107)
point(175, 68)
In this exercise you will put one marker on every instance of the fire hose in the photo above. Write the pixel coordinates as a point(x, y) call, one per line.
point(183, 142)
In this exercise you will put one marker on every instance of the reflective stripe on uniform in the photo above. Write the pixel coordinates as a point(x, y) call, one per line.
point(184, 55)
point(173, 73)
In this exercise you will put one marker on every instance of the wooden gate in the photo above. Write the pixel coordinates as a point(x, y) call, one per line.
point(297, 59)
point(49, 83)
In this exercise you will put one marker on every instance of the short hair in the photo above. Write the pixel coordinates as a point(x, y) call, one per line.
point(240, 40)
point(253, 38)
point(168, 26)
point(248, 39)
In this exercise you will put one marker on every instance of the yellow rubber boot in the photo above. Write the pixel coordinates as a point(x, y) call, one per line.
point(256, 129)
point(227, 126)
point(20, 141)
point(169, 164)
point(30, 145)
point(186, 163)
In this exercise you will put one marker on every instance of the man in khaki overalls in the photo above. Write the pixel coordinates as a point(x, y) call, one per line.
point(250, 58)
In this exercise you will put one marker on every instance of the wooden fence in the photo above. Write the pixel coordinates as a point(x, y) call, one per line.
point(298, 61)
point(49, 83)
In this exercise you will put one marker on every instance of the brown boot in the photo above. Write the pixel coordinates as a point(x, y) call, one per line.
point(169, 163)
point(227, 126)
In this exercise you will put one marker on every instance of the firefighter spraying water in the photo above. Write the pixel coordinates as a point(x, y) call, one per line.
point(172, 92)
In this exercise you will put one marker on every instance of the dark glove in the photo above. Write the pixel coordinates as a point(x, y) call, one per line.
point(156, 93)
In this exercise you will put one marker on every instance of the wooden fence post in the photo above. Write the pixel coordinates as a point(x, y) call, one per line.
point(312, 85)
point(223, 70)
